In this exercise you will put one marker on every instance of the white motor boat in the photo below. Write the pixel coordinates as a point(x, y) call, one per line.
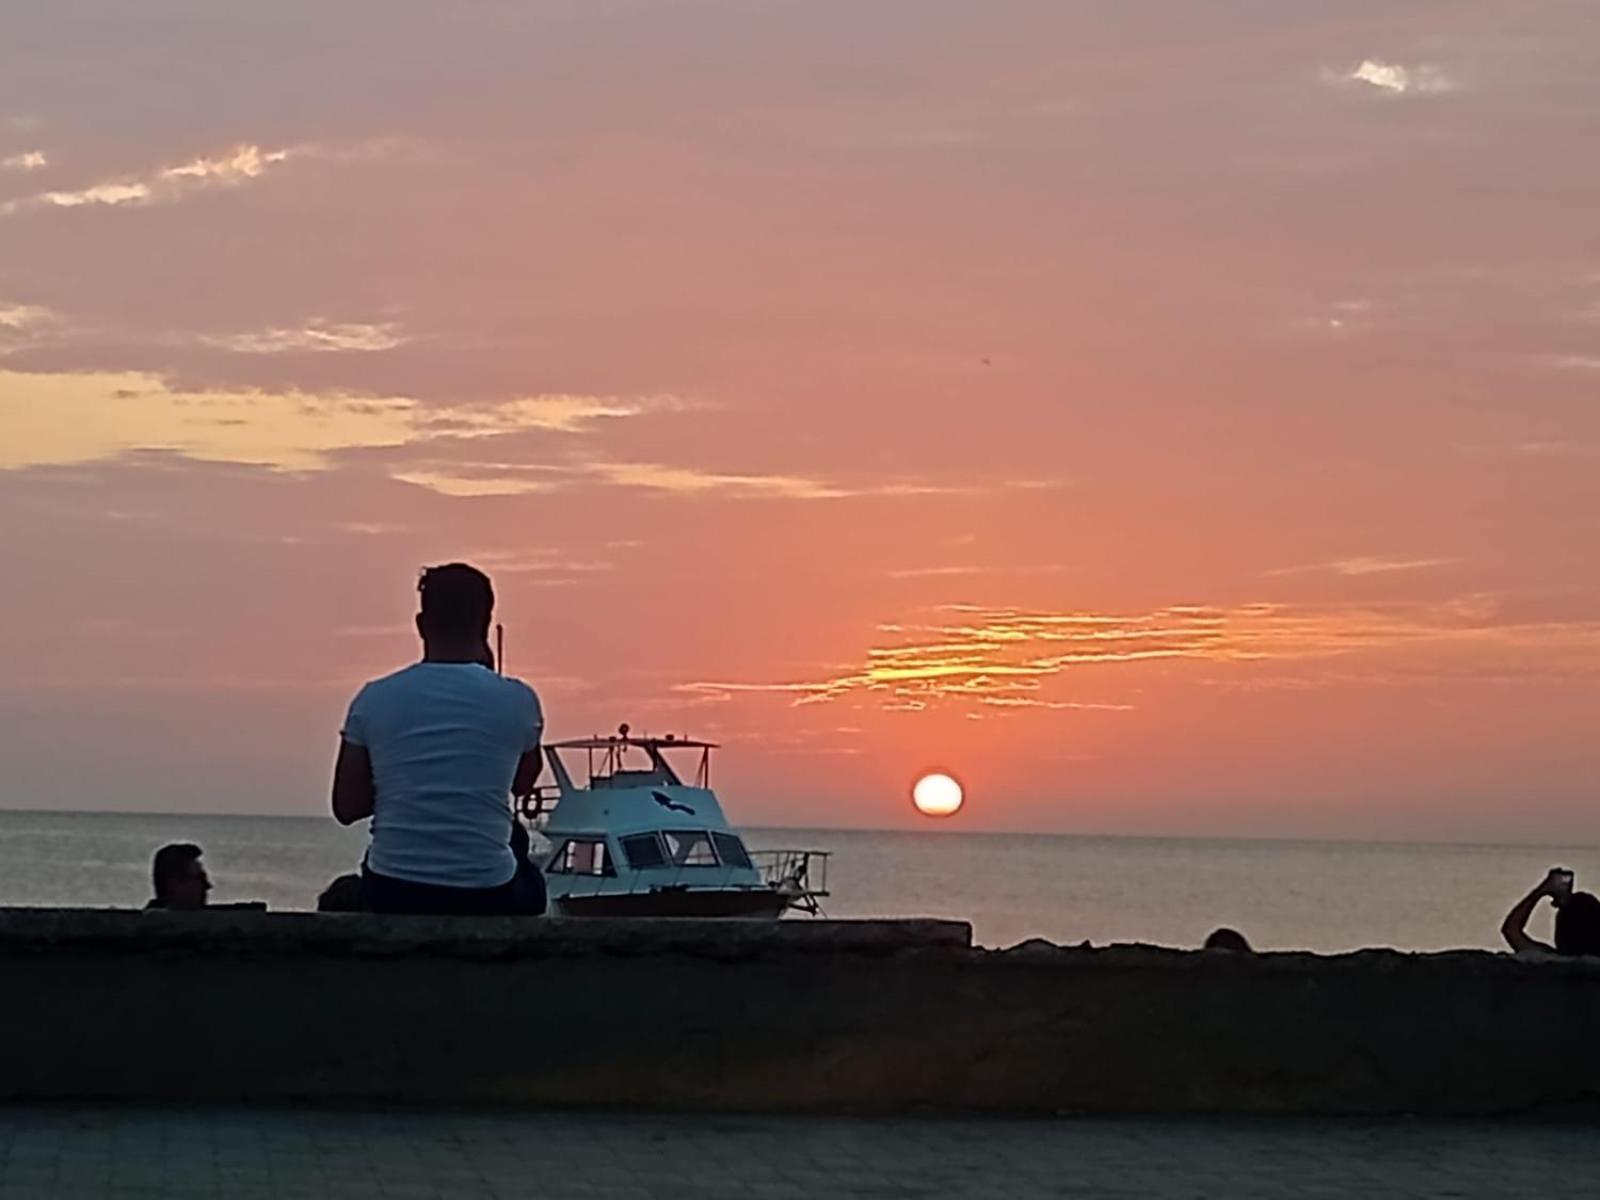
point(635, 840)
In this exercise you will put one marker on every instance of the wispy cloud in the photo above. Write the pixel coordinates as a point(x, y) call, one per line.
point(110, 194)
point(690, 481)
point(244, 162)
point(558, 412)
point(1573, 362)
point(22, 316)
point(1006, 658)
point(314, 337)
point(1398, 80)
point(1363, 565)
point(58, 419)
point(28, 160)
point(461, 483)
point(459, 478)
point(239, 165)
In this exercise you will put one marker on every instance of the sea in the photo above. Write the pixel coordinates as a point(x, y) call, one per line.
point(1326, 896)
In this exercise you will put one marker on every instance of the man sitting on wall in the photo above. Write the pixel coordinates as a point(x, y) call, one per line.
point(433, 754)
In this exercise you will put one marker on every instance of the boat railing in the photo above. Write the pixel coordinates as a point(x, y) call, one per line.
point(801, 874)
point(538, 802)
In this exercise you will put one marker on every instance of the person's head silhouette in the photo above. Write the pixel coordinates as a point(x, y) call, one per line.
point(457, 604)
point(1227, 939)
point(179, 878)
point(1578, 924)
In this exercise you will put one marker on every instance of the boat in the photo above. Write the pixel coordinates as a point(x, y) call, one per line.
point(633, 839)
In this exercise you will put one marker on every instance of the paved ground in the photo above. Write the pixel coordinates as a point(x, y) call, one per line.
point(246, 1154)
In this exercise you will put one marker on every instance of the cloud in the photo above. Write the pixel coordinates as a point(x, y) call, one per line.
point(1363, 565)
point(61, 419)
point(28, 160)
point(1574, 362)
point(245, 162)
point(240, 165)
point(559, 412)
point(1398, 80)
point(689, 481)
point(317, 336)
point(462, 484)
point(101, 193)
point(16, 317)
point(1006, 658)
point(467, 478)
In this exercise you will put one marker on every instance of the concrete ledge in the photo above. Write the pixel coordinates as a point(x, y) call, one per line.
point(299, 935)
point(859, 1017)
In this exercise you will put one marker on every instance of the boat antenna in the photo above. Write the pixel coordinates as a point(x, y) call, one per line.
point(499, 649)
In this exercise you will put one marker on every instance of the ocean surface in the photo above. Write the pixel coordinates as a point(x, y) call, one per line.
point(1312, 895)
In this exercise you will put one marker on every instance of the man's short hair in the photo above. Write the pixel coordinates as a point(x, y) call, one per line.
point(172, 863)
point(457, 601)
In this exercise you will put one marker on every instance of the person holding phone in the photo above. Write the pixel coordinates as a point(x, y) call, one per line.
point(1577, 918)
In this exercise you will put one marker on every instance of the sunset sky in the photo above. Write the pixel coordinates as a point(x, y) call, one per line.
point(1169, 417)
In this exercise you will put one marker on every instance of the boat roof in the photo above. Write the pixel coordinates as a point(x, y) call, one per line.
point(668, 741)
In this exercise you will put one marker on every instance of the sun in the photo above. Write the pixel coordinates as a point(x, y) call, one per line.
point(937, 795)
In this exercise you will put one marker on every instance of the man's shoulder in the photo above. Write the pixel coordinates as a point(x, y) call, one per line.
point(408, 682)
point(393, 681)
point(518, 691)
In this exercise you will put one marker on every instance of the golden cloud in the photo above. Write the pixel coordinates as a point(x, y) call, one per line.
point(239, 165)
point(58, 419)
point(1004, 657)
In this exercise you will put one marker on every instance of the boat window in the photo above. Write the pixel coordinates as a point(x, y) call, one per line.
point(689, 848)
point(731, 851)
point(582, 856)
point(643, 851)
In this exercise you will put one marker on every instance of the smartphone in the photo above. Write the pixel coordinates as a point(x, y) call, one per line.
point(1562, 877)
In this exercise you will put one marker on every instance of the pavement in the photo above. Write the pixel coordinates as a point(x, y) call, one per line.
point(274, 1154)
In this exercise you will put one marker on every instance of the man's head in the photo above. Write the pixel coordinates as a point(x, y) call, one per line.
point(1578, 924)
point(457, 605)
point(179, 876)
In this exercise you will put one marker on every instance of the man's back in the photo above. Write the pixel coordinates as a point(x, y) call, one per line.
point(444, 739)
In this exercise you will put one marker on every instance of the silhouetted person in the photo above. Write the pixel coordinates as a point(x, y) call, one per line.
point(1230, 940)
point(433, 754)
point(179, 878)
point(1577, 918)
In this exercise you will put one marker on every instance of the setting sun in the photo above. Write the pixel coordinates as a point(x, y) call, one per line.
point(936, 795)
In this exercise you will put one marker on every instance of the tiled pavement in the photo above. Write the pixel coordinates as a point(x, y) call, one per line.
point(245, 1154)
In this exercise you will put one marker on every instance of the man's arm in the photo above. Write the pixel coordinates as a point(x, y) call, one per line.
point(1515, 927)
point(353, 789)
point(528, 768)
point(532, 760)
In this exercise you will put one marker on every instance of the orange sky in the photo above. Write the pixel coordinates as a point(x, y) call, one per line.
point(1172, 418)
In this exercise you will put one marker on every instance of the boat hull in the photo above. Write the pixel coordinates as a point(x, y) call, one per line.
point(752, 905)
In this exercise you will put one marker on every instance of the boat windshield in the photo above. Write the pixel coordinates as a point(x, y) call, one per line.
point(731, 851)
point(685, 848)
point(689, 848)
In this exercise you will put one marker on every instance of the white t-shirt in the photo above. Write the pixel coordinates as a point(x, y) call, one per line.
point(445, 739)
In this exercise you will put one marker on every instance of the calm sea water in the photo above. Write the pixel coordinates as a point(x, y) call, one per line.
point(1323, 896)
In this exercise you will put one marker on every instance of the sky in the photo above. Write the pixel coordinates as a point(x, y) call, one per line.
point(1170, 418)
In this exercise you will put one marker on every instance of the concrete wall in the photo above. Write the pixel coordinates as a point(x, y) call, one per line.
point(798, 1016)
